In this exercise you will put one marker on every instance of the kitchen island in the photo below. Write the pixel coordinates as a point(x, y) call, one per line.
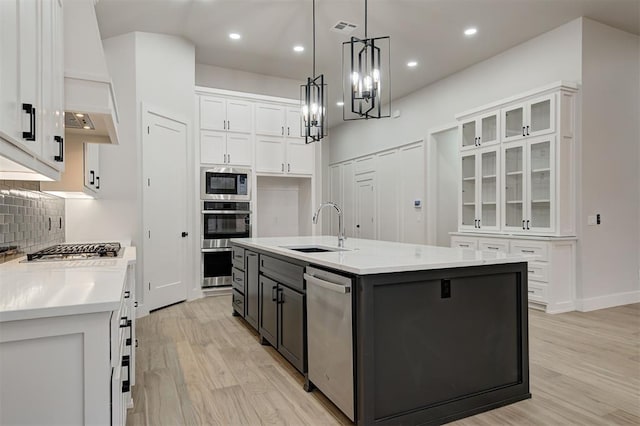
point(433, 333)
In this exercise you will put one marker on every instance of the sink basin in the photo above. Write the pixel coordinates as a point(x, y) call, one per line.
point(314, 249)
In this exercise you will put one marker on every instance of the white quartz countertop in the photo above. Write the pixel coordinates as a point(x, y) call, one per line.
point(47, 289)
point(365, 257)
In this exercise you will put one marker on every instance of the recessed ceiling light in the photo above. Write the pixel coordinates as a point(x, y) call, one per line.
point(340, 103)
point(298, 48)
point(412, 64)
point(79, 115)
point(470, 31)
point(87, 127)
point(234, 36)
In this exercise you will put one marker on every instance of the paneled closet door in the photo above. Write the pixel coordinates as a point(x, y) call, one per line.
point(489, 190)
point(514, 193)
point(468, 192)
point(541, 187)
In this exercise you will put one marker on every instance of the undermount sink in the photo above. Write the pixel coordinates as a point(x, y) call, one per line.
point(314, 249)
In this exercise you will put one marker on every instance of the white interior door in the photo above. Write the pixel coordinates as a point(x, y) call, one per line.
point(164, 148)
point(388, 196)
point(348, 196)
point(366, 207)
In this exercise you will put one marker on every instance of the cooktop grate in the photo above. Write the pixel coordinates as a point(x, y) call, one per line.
point(62, 251)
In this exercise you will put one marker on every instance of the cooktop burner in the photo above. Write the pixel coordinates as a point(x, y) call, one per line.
point(76, 251)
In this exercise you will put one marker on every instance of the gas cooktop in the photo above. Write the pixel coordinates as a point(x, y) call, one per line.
point(76, 252)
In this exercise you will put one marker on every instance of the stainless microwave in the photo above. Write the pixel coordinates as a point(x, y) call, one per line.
point(225, 183)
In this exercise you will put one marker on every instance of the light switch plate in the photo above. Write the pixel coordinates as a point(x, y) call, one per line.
point(591, 220)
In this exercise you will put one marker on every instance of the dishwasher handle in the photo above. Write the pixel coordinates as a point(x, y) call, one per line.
point(338, 288)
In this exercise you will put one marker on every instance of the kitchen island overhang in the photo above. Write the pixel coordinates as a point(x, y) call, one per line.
point(430, 345)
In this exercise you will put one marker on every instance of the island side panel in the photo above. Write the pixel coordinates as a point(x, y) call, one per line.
point(434, 346)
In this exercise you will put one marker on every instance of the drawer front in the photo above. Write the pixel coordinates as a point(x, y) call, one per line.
point(538, 271)
point(493, 244)
point(537, 292)
point(237, 280)
point(237, 258)
point(283, 272)
point(464, 242)
point(535, 248)
point(238, 302)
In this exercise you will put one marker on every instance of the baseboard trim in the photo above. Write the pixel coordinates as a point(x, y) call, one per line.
point(560, 308)
point(608, 301)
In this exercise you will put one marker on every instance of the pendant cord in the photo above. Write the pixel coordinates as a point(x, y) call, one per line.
point(314, 39)
point(365, 19)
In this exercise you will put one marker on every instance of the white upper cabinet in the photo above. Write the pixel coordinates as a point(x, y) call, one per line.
point(524, 183)
point(531, 118)
point(225, 148)
point(225, 114)
point(480, 190)
point(270, 120)
point(278, 129)
point(91, 153)
point(32, 84)
point(480, 131)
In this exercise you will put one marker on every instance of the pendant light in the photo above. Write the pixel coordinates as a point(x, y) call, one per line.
point(313, 100)
point(366, 76)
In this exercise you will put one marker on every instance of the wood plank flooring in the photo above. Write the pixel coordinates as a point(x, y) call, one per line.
point(198, 365)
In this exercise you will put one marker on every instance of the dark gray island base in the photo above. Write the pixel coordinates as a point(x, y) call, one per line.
point(429, 346)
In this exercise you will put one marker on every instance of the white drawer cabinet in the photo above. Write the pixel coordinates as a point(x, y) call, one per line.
point(551, 276)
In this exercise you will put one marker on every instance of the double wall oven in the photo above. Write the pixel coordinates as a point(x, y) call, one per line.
point(226, 214)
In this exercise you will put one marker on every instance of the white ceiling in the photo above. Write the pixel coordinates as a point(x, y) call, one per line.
point(429, 31)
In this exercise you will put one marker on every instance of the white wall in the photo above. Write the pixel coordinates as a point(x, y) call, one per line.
point(608, 254)
point(158, 71)
point(549, 57)
point(242, 81)
point(446, 185)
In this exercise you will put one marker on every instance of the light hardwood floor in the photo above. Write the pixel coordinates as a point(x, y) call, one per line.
point(197, 364)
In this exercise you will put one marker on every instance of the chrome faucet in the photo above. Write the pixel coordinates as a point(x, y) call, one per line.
point(341, 236)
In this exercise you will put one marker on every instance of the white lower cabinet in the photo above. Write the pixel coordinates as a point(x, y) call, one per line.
point(551, 277)
point(73, 369)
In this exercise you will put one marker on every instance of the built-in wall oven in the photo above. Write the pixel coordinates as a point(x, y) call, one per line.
point(221, 221)
point(225, 183)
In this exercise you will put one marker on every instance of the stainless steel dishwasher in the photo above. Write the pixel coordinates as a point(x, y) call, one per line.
point(330, 336)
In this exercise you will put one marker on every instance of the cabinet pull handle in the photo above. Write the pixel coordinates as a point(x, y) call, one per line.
point(127, 294)
point(274, 296)
point(126, 384)
point(97, 182)
point(282, 130)
point(224, 124)
point(283, 167)
point(135, 304)
point(531, 271)
point(288, 167)
point(527, 251)
point(31, 134)
point(228, 158)
point(463, 245)
point(523, 224)
point(288, 131)
point(530, 291)
point(523, 134)
point(528, 131)
point(60, 157)
point(280, 296)
point(228, 125)
point(49, 224)
point(528, 224)
point(93, 177)
point(479, 225)
point(493, 248)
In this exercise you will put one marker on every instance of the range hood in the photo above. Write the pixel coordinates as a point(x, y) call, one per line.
point(90, 104)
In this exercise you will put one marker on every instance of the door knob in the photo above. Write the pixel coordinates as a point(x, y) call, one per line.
point(357, 226)
point(185, 234)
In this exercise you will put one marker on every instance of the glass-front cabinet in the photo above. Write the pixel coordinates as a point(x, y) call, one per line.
point(479, 195)
point(532, 118)
point(528, 168)
point(480, 131)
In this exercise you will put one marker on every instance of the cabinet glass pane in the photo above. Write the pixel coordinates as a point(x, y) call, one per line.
point(513, 122)
point(514, 186)
point(540, 179)
point(489, 129)
point(489, 187)
point(469, 190)
point(469, 133)
point(541, 116)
